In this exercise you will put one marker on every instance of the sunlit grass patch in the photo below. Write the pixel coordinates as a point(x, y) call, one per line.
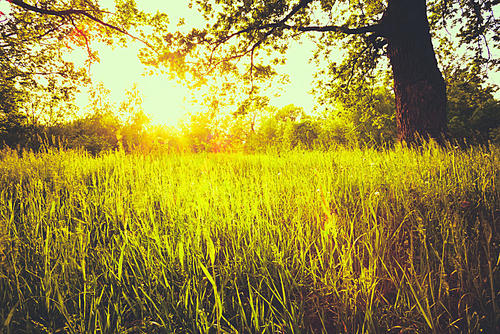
point(343, 241)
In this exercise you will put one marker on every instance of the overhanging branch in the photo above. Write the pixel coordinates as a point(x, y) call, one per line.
point(343, 29)
point(68, 13)
point(65, 13)
point(281, 24)
point(375, 28)
point(302, 4)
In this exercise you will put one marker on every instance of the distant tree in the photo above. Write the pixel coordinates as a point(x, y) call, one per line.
point(473, 112)
point(199, 132)
point(252, 109)
point(96, 131)
point(303, 134)
point(289, 113)
point(166, 139)
point(12, 121)
point(270, 132)
point(336, 131)
point(276, 125)
point(134, 118)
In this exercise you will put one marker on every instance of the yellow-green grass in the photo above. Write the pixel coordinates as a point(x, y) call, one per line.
point(401, 240)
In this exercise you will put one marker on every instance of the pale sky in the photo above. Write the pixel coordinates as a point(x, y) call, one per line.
point(163, 99)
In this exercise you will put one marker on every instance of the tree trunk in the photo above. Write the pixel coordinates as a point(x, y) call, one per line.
point(419, 86)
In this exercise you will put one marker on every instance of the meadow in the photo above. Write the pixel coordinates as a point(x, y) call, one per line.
point(348, 241)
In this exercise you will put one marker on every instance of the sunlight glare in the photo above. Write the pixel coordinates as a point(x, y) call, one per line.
point(167, 102)
point(119, 69)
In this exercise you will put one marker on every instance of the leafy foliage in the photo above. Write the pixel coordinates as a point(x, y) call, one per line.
point(38, 82)
point(32, 61)
point(474, 113)
point(12, 121)
point(241, 29)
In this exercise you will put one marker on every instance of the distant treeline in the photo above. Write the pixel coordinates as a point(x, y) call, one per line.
point(363, 117)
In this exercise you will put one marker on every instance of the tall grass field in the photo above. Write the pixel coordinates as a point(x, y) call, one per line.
point(350, 241)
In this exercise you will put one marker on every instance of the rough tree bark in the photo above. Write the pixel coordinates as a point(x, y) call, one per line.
point(419, 87)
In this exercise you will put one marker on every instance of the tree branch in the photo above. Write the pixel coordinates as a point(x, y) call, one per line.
point(282, 24)
point(375, 28)
point(273, 27)
point(302, 4)
point(65, 13)
point(343, 29)
point(79, 12)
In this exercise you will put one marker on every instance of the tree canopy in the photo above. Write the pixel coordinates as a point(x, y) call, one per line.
point(353, 38)
point(365, 31)
point(247, 28)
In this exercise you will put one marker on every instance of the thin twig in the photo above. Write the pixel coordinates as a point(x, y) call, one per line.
point(67, 13)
